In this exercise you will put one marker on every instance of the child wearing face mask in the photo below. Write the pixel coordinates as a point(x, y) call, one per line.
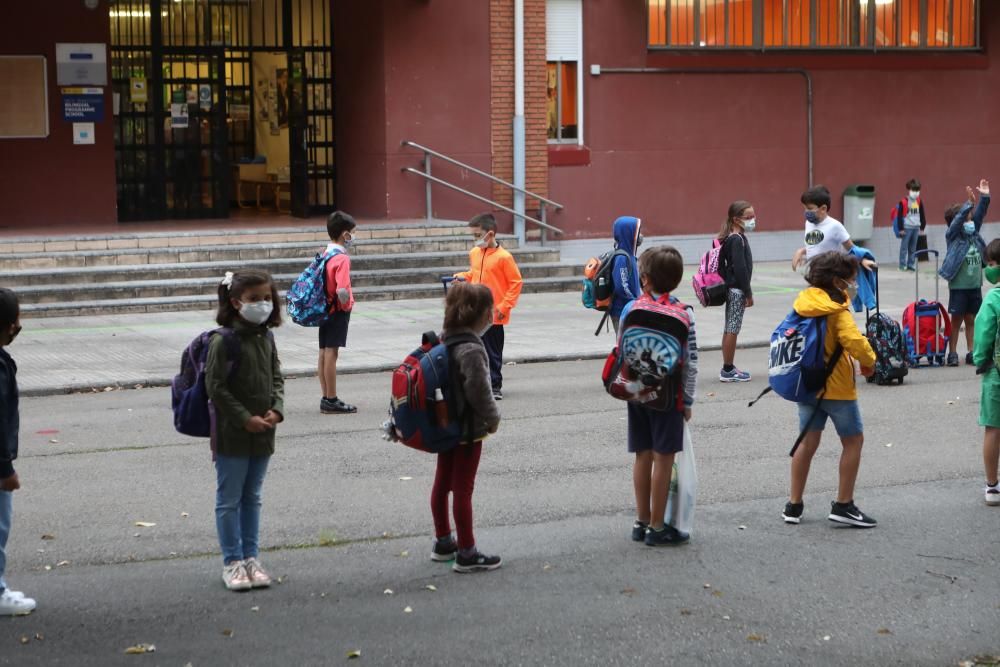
point(963, 267)
point(983, 355)
point(333, 331)
point(492, 265)
point(736, 268)
point(12, 603)
point(907, 223)
point(247, 407)
point(823, 232)
point(832, 276)
point(468, 310)
point(625, 270)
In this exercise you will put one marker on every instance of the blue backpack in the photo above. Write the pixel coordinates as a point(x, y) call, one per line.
point(306, 298)
point(423, 410)
point(188, 396)
point(796, 370)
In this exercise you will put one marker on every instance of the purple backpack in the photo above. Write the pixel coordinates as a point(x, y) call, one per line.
point(192, 413)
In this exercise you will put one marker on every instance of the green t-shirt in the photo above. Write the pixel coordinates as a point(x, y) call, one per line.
point(970, 274)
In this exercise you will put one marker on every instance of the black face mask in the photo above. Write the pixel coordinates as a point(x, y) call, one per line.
point(638, 241)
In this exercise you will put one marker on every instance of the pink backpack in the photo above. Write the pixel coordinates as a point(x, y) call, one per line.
point(709, 286)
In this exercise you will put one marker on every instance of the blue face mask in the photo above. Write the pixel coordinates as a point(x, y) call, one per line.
point(969, 227)
point(812, 216)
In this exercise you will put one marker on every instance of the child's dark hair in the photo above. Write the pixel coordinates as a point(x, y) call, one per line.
point(484, 221)
point(663, 267)
point(338, 223)
point(913, 184)
point(993, 251)
point(826, 268)
point(10, 307)
point(465, 305)
point(818, 195)
point(951, 212)
point(241, 281)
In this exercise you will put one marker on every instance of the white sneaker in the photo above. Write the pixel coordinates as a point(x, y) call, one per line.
point(259, 578)
point(235, 577)
point(992, 495)
point(13, 603)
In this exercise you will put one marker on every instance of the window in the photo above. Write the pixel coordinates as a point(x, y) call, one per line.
point(814, 24)
point(564, 75)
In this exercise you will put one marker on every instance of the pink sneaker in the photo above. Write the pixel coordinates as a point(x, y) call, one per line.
point(235, 577)
point(259, 578)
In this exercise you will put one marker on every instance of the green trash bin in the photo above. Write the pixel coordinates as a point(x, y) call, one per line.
point(859, 211)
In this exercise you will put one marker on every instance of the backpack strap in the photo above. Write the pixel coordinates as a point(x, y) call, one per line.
point(834, 358)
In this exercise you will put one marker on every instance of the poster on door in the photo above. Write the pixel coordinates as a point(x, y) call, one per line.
point(178, 116)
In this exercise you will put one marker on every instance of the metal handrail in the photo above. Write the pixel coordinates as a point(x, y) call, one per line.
point(485, 200)
point(426, 174)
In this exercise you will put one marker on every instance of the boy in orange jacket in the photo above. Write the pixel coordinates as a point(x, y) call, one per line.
point(493, 266)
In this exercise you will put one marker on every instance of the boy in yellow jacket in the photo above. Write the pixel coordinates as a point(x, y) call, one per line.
point(493, 266)
point(832, 278)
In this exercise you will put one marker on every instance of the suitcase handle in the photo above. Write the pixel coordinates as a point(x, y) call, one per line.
point(937, 267)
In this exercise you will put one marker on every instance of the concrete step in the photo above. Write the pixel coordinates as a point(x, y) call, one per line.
point(384, 279)
point(276, 266)
point(206, 302)
point(125, 240)
point(235, 253)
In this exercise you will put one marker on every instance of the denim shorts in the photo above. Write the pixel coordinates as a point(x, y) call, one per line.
point(964, 301)
point(845, 415)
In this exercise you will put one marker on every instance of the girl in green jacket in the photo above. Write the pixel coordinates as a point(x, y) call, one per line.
point(247, 397)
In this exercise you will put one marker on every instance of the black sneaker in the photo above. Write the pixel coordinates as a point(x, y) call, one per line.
point(968, 359)
point(475, 563)
point(848, 513)
point(497, 395)
point(952, 359)
point(336, 406)
point(668, 537)
point(639, 531)
point(793, 512)
point(444, 551)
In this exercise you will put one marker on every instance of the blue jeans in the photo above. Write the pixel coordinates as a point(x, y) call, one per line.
point(908, 248)
point(845, 415)
point(6, 513)
point(237, 504)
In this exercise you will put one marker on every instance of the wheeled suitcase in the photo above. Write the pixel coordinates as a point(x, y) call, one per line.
point(926, 324)
point(886, 338)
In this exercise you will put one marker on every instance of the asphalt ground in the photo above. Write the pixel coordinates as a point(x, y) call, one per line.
point(346, 518)
point(59, 355)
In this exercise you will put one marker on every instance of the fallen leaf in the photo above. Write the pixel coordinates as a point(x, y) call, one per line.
point(951, 402)
point(685, 612)
point(255, 608)
point(62, 563)
point(403, 554)
point(41, 551)
point(717, 594)
point(547, 566)
point(884, 631)
point(144, 524)
point(888, 444)
point(25, 639)
point(826, 638)
point(48, 536)
point(408, 610)
point(742, 527)
point(710, 394)
point(405, 479)
point(322, 595)
point(138, 386)
point(431, 587)
point(354, 654)
point(135, 534)
point(39, 636)
point(708, 585)
point(282, 579)
point(184, 515)
point(109, 389)
point(755, 638)
point(54, 441)
point(228, 632)
point(725, 618)
point(628, 591)
point(387, 591)
point(48, 567)
point(173, 553)
point(139, 649)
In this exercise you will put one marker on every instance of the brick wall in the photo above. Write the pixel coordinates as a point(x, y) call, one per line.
point(502, 97)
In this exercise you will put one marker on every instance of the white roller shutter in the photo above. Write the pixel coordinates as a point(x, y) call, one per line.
point(562, 29)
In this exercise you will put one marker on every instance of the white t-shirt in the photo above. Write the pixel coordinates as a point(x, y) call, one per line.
point(825, 236)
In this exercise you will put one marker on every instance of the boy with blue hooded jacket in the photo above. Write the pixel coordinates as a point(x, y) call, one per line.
point(963, 267)
point(624, 271)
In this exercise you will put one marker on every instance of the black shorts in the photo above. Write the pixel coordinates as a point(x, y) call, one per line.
point(333, 332)
point(964, 301)
point(662, 432)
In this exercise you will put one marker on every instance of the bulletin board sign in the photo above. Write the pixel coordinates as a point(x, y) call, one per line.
point(24, 98)
point(83, 105)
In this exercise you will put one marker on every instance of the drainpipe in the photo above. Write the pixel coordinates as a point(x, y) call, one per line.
point(597, 70)
point(519, 118)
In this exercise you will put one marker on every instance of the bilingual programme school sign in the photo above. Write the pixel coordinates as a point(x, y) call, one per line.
point(83, 105)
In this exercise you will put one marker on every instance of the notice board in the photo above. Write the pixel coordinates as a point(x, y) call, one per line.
point(24, 101)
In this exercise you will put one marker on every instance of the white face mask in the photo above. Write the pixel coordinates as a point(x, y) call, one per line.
point(256, 312)
point(750, 225)
point(914, 194)
point(969, 227)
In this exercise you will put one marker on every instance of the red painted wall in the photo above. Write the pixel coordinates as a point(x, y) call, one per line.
point(50, 182)
point(675, 149)
point(418, 71)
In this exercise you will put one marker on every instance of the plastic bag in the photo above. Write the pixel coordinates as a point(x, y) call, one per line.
point(683, 488)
